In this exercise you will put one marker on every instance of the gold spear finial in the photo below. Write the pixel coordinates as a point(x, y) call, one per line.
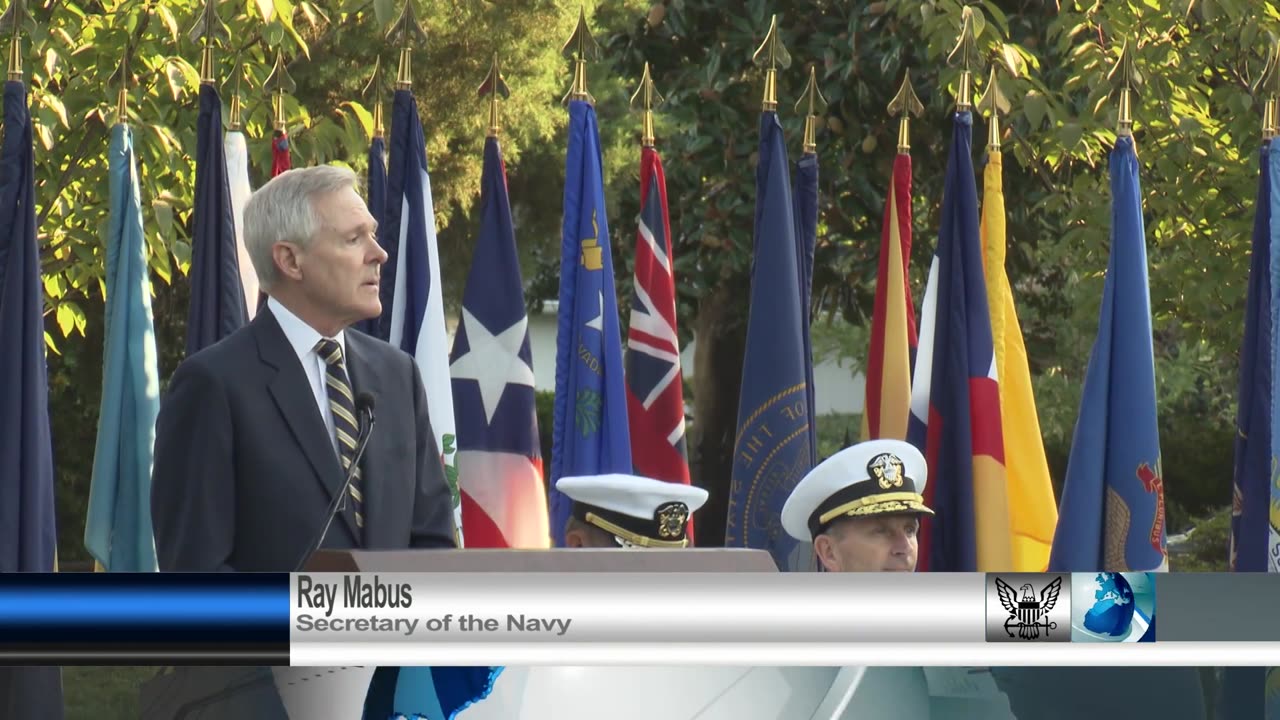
point(121, 75)
point(771, 55)
point(1126, 79)
point(1268, 88)
point(210, 29)
point(12, 21)
point(374, 88)
point(278, 83)
point(965, 54)
point(644, 100)
point(495, 86)
point(993, 101)
point(905, 104)
point(817, 105)
point(405, 33)
point(234, 120)
point(580, 48)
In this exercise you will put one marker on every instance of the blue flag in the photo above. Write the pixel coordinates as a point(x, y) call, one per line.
point(28, 540)
point(773, 448)
point(28, 537)
point(805, 197)
point(377, 201)
point(1251, 491)
point(590, 434)
point(118, 527)
point(431, 693)
point(955, 400)
point(1111, 516)
point(217, 295)
point(1269, 520)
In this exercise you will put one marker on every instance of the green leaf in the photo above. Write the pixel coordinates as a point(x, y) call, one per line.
point(1035, 106)
point(1070, 135)
point(66, 316)
point(364, 116)
point(164, 217)
point(182, 253)
point(266, 9)
point(54, 286)
point(384, 13)
point(170, 22)
point(284, 12)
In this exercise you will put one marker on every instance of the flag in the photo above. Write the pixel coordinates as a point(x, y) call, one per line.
point(958, 425)
point(1251, 488)
point(772, 449)
point(504, 502)
point(805, 213)
point(118, 527)
point(1033, 512)
point(437, 693)
point(28, 537)
point(1273, 526)
point(893, 320)
point(280, 159)
point(655, 383)
point(415, 309)
point(590, 434)
point(237, 152)
point(377, 201)
point(218, 305)
point(1112, 512)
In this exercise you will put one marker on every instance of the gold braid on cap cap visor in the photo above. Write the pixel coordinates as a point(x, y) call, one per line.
point(631, 537)
point(878, 505)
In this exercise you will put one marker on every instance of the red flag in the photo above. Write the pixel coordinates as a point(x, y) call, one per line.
point(280, 160)
point(655, 387)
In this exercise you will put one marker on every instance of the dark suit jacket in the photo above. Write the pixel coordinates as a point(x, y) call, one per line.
point(245, 468)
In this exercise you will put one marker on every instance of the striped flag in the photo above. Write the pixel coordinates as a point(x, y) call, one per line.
point(237, 151)
point(955, 396)
point(415, 310)
point(893, 321)
point(655, 386)
point(504, 501)
point(1033, 512)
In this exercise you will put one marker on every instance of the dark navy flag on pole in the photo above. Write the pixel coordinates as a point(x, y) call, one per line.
point(773, 447)
point(377, 201)
point(217, 296)
point(590, 435)
point(1251, 490)
point(28, 538)
point(805, 199)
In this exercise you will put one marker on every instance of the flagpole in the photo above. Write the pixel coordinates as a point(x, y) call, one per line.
point(817, 105)
point(209, 29)
point(965, 54)
point(644, 100)
point(1269, 87)
point(905, 104)
point(494, 87)
point(234, 121)
point(993, 101)
point(580, 48)
point(404, 33)
point(122, 98)
point(15, 14)
point(1124, 76)
point(771, 55)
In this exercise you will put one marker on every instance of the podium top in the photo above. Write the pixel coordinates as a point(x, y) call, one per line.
point(578, 560)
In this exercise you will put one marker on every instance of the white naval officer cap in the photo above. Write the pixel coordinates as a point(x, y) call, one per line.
point(636, 510)
point(877, 477)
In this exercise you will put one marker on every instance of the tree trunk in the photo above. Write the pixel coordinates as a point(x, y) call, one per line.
point(720, 328)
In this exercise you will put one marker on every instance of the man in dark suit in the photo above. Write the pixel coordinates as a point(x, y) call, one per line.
point(256, 431)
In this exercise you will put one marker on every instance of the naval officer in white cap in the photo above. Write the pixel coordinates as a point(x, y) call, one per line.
point(861, 508)
point(619, 510)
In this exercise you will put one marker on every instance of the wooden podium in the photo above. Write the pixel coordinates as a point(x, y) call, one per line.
point(581, 560)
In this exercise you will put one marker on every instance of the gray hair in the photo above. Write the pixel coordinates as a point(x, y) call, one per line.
point(283, 210)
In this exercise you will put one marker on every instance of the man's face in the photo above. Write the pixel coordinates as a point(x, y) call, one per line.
point(340, 269)
point(879, 543)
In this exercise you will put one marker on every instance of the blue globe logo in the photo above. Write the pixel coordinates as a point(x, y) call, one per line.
point(1111, 614)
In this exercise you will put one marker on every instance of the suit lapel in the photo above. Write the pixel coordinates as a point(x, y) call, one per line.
point(366, 379)
point(297, 405)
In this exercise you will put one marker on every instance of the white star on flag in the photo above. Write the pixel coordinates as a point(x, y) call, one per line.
point(493, 361)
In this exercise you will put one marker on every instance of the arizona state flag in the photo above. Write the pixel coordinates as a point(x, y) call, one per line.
point(1033, 512)
point(893, 322)
point(955, 400)
point(655, 386)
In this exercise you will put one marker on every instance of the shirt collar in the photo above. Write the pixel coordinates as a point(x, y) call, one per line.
point(301, 336)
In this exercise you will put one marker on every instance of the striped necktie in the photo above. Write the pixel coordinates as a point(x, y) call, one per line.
point(343, 406)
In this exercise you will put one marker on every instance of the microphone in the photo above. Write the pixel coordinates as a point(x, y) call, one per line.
point(364, 414)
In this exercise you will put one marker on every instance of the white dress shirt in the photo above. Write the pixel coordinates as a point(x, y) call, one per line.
point(303, 338)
